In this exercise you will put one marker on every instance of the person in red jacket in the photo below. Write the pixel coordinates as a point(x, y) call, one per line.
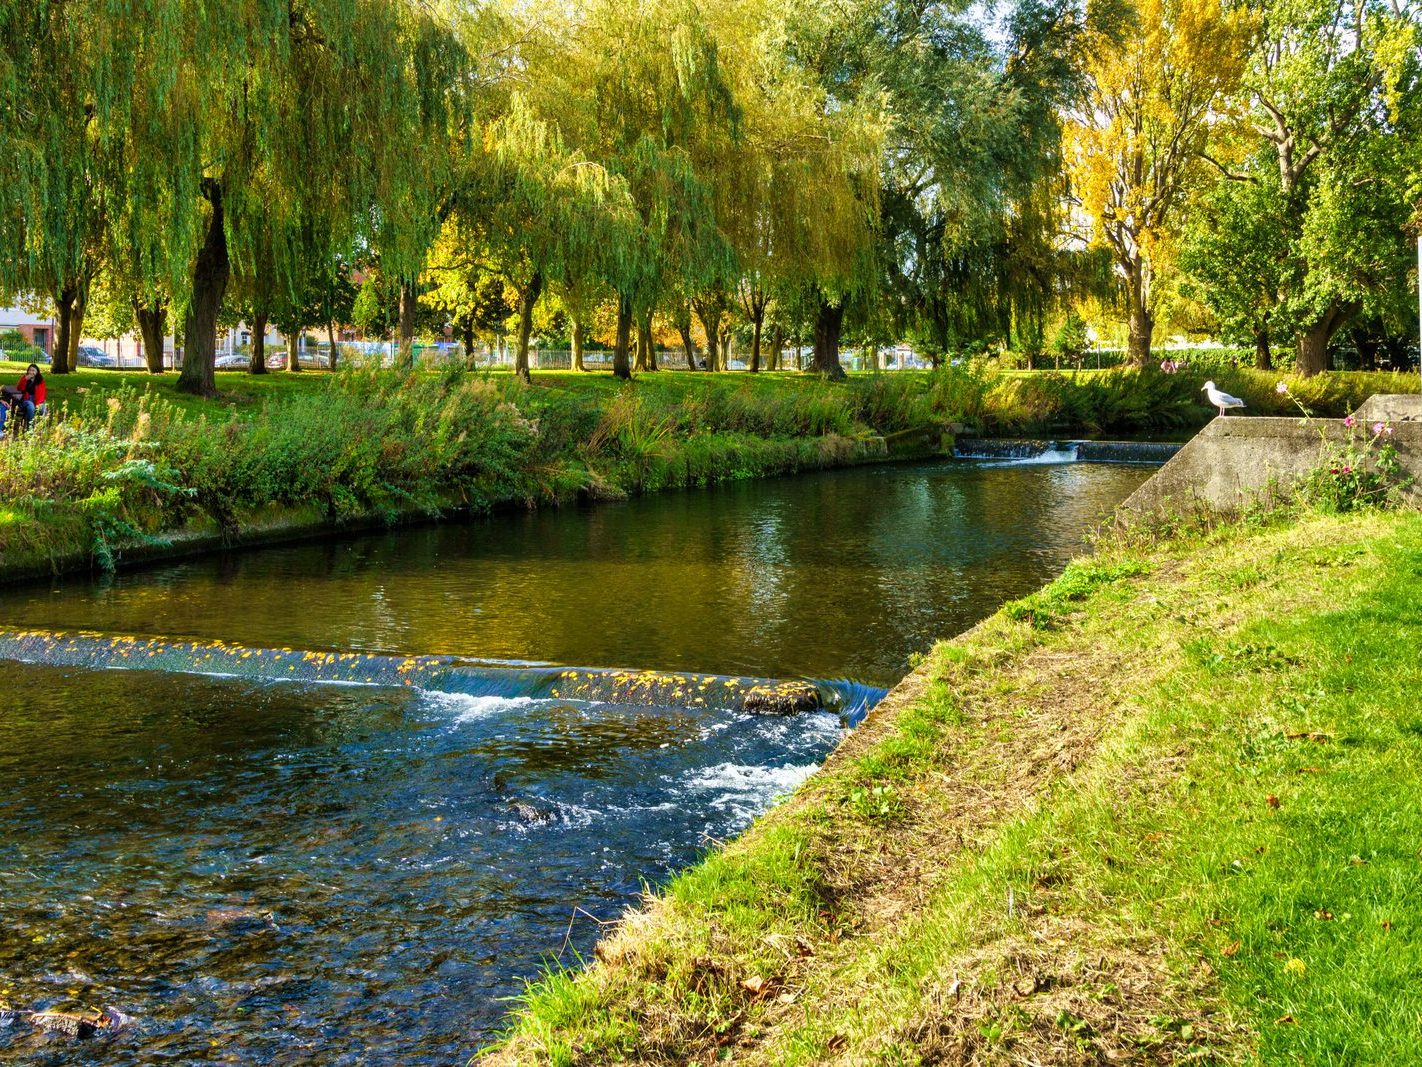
point(25, 398)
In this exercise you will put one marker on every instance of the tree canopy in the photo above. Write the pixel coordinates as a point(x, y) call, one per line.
point(963, 178)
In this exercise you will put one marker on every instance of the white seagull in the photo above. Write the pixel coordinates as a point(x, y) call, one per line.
point(1219, 399)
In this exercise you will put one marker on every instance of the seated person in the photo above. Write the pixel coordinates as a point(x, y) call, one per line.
point(9, 397)
point(32, 394)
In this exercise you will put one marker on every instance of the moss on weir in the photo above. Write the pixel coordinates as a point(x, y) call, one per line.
point(1165, 809)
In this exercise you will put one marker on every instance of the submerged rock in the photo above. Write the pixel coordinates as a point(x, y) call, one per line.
point(782, 698)
point(530, 815)
point(240, 919)
point(85, 1024)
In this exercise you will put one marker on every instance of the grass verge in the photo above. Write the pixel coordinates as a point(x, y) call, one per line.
point(1166, 810)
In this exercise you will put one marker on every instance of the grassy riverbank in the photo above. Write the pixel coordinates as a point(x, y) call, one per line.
point(1165, 809)
point(124, 463)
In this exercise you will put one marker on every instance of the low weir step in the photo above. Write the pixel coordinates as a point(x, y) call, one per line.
point(1010, 448)
point(442, 673)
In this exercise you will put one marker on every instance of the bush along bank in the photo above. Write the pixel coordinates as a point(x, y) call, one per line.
point(1164, 809)
point(115, 472)
point(133, 473)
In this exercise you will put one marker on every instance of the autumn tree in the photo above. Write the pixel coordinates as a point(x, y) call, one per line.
point(1135, 138)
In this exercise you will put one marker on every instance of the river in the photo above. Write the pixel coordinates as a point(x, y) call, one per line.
point(296, 872)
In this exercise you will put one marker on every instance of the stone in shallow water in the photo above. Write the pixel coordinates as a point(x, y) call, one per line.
point(782, 698)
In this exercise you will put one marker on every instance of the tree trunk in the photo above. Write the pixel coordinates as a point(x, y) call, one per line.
point(210, 275)
point(1263, 357)
point(408, 297)
point(688, 346)
point(710, 312)
point(466, 338)
point(152, 325)
point(646, 347)
point(65, 301)
point(727, 336)
point(757, 320)
point(621, 366)
point(1141, 324)
point(1368, 353)
point(527, 300)
point(259, 344)
point(577, 338)
point(639, 350)
point(827, 326)
point(777, 340)
point(683, 327)
point(1314, 356)
point(76, 326)
point(331, 337)
point(293, 349)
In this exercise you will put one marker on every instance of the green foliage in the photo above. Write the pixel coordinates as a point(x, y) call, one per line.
point(1362, 471)
point(124, 467)
point(1069, 344)
point(14, 346)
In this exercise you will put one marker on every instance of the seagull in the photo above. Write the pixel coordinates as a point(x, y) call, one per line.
point(1219, 399)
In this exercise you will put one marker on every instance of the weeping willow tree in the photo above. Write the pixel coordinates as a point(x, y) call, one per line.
point(252, 131)
point(637, 87)
point(66, 94)
point(542, 213)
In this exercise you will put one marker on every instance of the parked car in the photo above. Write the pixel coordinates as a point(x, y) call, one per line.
point(94, 357)
point(232, 361)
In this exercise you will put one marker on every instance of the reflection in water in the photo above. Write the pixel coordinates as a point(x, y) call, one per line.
point(289, 873)
point(842, 574)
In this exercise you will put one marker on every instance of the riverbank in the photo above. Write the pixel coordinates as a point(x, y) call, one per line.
point(126, 469)
point(1165, 808)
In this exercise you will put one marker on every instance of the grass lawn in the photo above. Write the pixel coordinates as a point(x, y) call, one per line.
point(1167, 809)
point(245, 391)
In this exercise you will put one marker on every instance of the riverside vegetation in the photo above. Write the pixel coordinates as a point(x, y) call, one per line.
point(114, 467)
point(1166, 808)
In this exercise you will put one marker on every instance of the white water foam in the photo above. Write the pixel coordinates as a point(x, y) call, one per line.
point(466, 708)
point(746, 790)
point(1052, 456)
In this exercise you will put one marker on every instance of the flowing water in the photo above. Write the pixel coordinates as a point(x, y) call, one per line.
point(317, 870)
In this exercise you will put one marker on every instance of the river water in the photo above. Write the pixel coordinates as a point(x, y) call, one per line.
point(297, 872)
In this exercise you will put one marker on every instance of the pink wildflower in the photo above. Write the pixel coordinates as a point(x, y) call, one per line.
point(1348, 422)
point(1282, 388)
point(1377, 429)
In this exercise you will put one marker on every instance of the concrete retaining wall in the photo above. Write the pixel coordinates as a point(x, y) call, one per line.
point(1236, 458)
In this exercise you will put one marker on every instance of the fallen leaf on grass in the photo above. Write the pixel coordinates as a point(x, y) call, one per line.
point(1272, 800)
point(1283, 1019)
point(1230, 949)
point(755, 984)
point(837, 1042)
point(1323, 915)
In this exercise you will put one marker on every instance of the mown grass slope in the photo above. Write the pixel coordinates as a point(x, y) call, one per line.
point(1166, 810)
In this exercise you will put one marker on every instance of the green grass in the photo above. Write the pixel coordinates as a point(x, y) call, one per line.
point(1179, 821)
point(237, 389)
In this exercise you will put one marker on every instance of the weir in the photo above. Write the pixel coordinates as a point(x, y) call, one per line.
point(1046, 451)
point(441, 673)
